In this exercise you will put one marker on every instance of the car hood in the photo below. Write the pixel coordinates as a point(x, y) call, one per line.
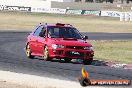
point(70, 42)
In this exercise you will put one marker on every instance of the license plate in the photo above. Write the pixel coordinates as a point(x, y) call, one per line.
point(75, 53)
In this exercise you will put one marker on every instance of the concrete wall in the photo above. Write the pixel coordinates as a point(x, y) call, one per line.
point(76, 5)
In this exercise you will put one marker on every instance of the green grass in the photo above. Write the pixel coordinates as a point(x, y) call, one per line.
point(117, 51)
point(22, 21)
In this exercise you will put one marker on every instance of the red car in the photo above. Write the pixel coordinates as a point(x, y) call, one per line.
point(61, 41)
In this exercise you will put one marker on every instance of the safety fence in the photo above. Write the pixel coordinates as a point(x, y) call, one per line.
point(124, 16)
point(15, 8)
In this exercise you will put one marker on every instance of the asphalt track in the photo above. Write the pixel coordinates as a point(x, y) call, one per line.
point(13, 58)
point(109, 36)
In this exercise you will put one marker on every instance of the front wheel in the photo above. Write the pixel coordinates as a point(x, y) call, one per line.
point(46, 54)
point(28, 52)
point(88, 61)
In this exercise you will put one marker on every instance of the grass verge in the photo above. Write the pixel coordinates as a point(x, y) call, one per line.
point(22, 21)
point(117, 51)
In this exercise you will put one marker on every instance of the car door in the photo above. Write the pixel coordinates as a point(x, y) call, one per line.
point(34, 43)
point(41, 41)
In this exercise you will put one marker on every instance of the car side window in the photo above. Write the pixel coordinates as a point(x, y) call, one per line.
point(37, 31)
point(43, 32)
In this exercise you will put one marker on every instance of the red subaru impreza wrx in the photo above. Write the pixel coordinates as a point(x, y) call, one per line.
point(60, 41)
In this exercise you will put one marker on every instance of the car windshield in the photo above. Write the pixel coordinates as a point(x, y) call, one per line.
point(63, 32)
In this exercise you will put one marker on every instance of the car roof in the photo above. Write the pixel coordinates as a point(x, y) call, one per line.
point(57, 24)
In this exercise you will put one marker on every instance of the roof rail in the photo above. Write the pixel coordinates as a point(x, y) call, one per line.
point(68, 25)
point(60, 24)
point(40, 24)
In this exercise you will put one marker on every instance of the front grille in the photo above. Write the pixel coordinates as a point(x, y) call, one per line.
point(74, 47)
point(71, 54)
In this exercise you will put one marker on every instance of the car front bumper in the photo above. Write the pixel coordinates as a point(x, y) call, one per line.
point(71, 53)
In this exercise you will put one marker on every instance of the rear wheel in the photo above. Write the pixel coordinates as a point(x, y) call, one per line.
point(88, 61)
point(46, 54)
point(28, 51)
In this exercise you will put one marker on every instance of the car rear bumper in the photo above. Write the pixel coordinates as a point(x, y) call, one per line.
point(71, 53)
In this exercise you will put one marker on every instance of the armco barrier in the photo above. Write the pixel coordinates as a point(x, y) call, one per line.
point(123, 16)
point(48, 10)
point(65, 11)
point(73, 12)
point(90, 13)
point(15, 8)
point(83, 12)
point(110, 13)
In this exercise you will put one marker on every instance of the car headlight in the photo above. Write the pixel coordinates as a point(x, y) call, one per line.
point(88, 48)
point(55, 46)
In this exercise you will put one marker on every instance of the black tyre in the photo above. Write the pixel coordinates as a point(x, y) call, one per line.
point(46, 54)
point(88, 62)
point(28, 52)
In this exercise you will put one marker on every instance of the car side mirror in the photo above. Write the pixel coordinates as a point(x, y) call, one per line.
point(85, 37)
